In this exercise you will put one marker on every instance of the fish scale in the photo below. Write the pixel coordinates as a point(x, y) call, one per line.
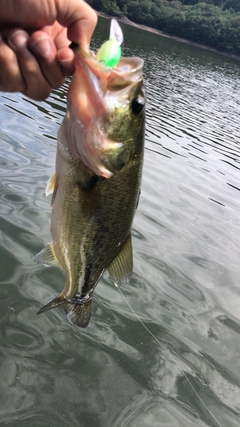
point(97, 182)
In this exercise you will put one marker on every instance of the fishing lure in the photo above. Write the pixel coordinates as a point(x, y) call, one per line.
point(110, 52)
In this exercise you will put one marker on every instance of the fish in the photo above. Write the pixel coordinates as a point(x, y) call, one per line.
point(96, 186)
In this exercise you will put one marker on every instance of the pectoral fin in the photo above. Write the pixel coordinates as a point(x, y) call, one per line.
point(51, 184)
point(121, 267)
point(47, 256)
point(52, 187)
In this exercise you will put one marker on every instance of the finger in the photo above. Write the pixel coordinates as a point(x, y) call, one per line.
point(11, 79)
point(58, 33)
point(45, 51)
point(37, 87)
point(66, 58)
point(79, 18)
point(76, 15)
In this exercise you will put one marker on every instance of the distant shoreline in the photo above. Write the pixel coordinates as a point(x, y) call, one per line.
point(161, 33)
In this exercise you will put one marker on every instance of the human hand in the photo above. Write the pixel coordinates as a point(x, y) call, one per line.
point(34, 40)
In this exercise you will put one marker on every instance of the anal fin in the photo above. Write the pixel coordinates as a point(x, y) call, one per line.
point(47, 256)
point(121, 267)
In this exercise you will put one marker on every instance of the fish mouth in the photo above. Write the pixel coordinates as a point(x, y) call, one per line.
point(95, 89)
point(127, 70)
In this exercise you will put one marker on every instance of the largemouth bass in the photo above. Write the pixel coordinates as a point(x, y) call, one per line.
point(96, 186)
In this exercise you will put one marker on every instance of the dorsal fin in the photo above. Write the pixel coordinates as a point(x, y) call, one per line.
point(121, 267)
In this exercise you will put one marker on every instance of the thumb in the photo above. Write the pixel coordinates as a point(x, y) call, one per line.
point(79, 18)
point(76, 15)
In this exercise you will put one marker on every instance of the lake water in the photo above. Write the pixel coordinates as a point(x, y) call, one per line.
point(186, 281)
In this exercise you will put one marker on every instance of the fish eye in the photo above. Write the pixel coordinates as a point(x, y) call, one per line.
point(137, 105)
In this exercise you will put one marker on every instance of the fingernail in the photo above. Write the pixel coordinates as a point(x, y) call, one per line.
point(67, 63)
point(42, 46)
point(18, 39)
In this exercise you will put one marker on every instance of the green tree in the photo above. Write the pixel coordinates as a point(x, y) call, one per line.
point(215, 23)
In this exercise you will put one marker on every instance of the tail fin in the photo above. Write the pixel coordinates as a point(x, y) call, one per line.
point(78, 313)
point(52, 304)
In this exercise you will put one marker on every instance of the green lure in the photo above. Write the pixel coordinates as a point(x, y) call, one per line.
point(110, 52)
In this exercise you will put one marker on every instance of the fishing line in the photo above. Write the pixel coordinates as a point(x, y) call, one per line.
point(170, 356)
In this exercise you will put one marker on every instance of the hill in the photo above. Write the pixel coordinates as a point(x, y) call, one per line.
point(214, 23)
